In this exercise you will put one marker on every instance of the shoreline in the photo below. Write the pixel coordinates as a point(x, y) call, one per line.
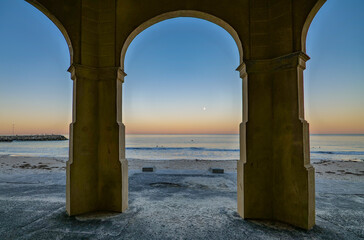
point(324, 169)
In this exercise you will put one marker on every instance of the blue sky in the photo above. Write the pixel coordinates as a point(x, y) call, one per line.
point(334, 79)
point(182, 79)
point(181, 70)
point(35, 87)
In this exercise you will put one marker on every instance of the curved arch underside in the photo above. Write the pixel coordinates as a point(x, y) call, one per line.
point(56, 22)
point(264, 31)
point(308, 22)
point(182, 13)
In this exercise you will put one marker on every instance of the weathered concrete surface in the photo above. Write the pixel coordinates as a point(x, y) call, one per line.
point(169, 205)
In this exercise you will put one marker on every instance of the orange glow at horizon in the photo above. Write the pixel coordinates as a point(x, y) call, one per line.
point(208, 123)
point(175, 129)
point(337, 125)
point(34, 125)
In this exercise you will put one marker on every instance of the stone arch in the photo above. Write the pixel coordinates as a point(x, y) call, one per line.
point(308, 21)
point(241, 69)
point(275, 178)
point(56, 22)
point(182, 13)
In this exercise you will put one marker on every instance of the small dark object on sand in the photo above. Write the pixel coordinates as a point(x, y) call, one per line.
point(148, 169)
point(217, 170)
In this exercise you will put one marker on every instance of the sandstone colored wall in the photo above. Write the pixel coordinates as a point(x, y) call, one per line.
point(275, 178)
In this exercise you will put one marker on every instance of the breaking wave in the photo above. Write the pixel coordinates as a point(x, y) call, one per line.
point(339, 152)
point(182, 148)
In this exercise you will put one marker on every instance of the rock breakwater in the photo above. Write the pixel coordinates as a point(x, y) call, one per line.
point(51, 137)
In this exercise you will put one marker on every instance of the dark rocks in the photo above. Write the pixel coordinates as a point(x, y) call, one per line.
point(51, 137)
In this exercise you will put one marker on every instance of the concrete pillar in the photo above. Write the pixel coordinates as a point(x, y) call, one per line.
point(276, 181)
point(97, 173)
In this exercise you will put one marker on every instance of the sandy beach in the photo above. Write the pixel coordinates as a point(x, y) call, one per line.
point(336, 170)
point(168, 204)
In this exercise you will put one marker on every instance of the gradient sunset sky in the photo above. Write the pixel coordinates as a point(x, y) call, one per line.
point(181, 74)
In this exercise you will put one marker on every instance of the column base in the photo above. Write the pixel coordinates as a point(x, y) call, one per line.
point(82, 195)
point(95, 182)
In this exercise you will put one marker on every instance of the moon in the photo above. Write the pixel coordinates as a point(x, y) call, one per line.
point(204, 108)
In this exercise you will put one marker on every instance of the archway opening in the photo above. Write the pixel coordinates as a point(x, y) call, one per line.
point(35, 89)
point(333, 95)
point(334, 104)
point(182, 98)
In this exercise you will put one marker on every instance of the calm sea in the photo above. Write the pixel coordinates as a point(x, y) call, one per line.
point(219, 147)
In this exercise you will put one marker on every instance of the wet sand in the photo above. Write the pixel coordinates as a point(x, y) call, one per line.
point(336, 170)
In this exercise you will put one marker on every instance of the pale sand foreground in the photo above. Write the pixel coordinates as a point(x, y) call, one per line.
point(336, 170)
point(171, 204)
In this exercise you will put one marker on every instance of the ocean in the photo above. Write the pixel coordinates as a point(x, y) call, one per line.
point(212, 147)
